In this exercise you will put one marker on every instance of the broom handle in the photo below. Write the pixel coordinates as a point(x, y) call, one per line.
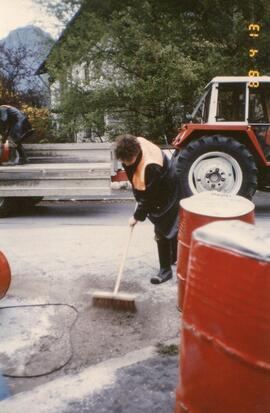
point(121, 268)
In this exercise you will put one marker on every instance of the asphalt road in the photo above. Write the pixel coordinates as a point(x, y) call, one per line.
point(59, 254)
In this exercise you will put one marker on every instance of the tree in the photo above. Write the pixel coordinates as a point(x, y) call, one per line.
point(12, 71)
point(18, 88)
point(17, 76)
point(150, 59)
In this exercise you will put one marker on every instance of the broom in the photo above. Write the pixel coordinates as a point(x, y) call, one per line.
point(115, 300)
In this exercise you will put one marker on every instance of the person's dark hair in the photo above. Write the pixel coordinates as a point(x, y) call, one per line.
point(127, 146)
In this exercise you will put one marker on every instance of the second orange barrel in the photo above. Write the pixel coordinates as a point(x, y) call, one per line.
point(199, 210)
point(225, 335)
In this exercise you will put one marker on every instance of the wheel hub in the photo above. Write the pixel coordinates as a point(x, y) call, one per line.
point(215, 171)
point(215, 178)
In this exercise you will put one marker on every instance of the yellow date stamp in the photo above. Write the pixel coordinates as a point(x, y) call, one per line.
point(254, 33)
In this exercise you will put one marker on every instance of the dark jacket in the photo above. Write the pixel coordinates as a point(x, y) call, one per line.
point(156, 191)
point(14, 124)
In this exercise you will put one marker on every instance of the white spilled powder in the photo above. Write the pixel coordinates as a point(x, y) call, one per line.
point(55, 396)
point(238, 236)
point(21, 328)
point(217, 204)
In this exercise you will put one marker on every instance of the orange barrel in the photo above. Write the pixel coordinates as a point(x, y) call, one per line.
point(199, 210)
point(4, 152)
point(5, 275)
point(225, 337)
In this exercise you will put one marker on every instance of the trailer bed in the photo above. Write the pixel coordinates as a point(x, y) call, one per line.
point(59, 169)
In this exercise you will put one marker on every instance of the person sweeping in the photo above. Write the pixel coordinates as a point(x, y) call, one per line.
point(155, 188)
point(154, 183)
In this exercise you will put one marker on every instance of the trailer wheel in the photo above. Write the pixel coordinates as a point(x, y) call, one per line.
point(217, 163)
point(7, 206)
point(30, 201)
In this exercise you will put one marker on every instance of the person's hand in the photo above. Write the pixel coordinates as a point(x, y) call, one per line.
point(132, 221)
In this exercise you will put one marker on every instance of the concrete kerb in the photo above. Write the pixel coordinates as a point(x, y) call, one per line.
point(60, 394)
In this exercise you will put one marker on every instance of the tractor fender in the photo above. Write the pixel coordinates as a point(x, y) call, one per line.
point(194, 131)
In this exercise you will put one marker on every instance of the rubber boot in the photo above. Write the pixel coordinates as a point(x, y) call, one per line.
point(164, 255)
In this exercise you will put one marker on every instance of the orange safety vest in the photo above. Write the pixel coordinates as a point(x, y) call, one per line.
point(150, 154)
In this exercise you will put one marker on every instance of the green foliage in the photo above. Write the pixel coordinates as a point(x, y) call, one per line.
point(154, 58)
point(41, 121)
point(14, 69)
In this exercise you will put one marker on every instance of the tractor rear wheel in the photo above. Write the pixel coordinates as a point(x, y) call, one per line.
point(217, 163)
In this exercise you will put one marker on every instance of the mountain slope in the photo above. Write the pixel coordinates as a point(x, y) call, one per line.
point(21, 53)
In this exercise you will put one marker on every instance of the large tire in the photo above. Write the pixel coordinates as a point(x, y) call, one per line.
point(216, 163)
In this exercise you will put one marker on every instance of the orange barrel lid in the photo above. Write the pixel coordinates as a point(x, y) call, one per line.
point(217, 204)
point(237, 236)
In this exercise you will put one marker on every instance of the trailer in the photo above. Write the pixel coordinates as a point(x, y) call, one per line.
point(56, 170)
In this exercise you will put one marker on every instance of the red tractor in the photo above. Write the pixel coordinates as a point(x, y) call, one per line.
point(226, 144)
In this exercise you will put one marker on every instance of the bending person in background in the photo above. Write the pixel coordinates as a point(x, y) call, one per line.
point(15, 127)
point(154, 185)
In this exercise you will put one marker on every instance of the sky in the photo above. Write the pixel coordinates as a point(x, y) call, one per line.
point(19, 13)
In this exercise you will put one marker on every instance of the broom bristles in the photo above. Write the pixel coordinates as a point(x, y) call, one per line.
point(124, 302)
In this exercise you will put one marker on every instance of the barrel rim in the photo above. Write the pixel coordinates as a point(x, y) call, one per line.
point(219, 234)
point(186, 204)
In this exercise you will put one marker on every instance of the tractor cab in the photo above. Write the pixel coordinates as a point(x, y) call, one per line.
point(231, 101)
point(225, 145)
